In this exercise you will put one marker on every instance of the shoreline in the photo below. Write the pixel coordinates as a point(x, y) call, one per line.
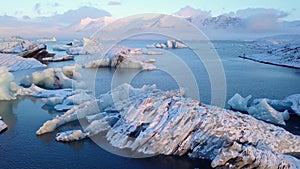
point(268, 62)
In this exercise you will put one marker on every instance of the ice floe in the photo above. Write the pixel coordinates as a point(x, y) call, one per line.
point(264, 111)
point(152, 121)
point(88, 46)
point(237, 102)
point(169, 44)
point(122, 57)
point(55, 78)
point(7, 91)
point(274, 111)
point(71, 135)
point(15, 62)
point(3, 126)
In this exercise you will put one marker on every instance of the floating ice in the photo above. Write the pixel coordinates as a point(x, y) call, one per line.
point(71, 135)
point(121, 59)
point(6, 83)
point(237, 102)
point(295, 100)
point(3, 126)
point(151, 121)
point(55, 78)
point(264, 111)
point(168, 44)
point(89, 46)
point(86, 108)
point(15, 63)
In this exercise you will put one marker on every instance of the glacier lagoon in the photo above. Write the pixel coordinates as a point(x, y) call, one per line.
point(21, 147)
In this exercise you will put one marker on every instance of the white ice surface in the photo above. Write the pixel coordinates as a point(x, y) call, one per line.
point(15, 63)
point(237, 102)
point(264, 111)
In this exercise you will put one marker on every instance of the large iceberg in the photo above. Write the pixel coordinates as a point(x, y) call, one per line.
point(150, 121)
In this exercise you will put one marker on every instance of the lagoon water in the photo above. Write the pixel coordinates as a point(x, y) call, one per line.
point(21, 148)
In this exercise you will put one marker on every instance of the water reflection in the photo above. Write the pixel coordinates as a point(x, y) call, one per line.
point(6, 111)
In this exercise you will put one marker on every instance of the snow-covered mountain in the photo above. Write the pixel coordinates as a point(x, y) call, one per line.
point(91, 24)
point(247, 24)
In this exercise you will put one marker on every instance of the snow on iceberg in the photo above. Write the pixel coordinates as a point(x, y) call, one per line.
point(55, 78)
point(237, 102)
point(151, 121)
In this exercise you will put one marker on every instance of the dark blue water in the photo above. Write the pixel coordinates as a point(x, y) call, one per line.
point(21, 148)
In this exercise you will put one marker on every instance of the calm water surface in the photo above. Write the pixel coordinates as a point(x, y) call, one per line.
point(21, 148)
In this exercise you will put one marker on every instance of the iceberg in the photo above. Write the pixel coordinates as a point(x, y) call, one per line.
point(121, 57)
point(237, 102)
point(15, 63)
point(3, 126)
point(295, 100)
point(59, 58)
point(6, 84)
point(169, 44)
point(264, 111)
point(55, 78)
point(53, 39)
point(89, 46)
point(151, 121)
point(71, 135)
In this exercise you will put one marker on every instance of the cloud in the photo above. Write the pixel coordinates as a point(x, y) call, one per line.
point(254, 12)
point(37, 8)
point(114, 3)
point(261, 19)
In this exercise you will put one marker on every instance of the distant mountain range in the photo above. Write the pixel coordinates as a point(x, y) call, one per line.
point(243, 24)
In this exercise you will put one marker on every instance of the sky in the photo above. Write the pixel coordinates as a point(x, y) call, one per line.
point(124, 8)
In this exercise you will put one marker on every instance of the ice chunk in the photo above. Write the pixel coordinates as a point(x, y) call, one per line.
point(77, 112)
point(237, 102)
point(71, 135)
point(120, 61)
point(279, 105)
point(295, 100)
point(264, 111)
point(55, 78)
point(169, 44)
point(6, 78)
point(3, 126)
point(15, 63)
